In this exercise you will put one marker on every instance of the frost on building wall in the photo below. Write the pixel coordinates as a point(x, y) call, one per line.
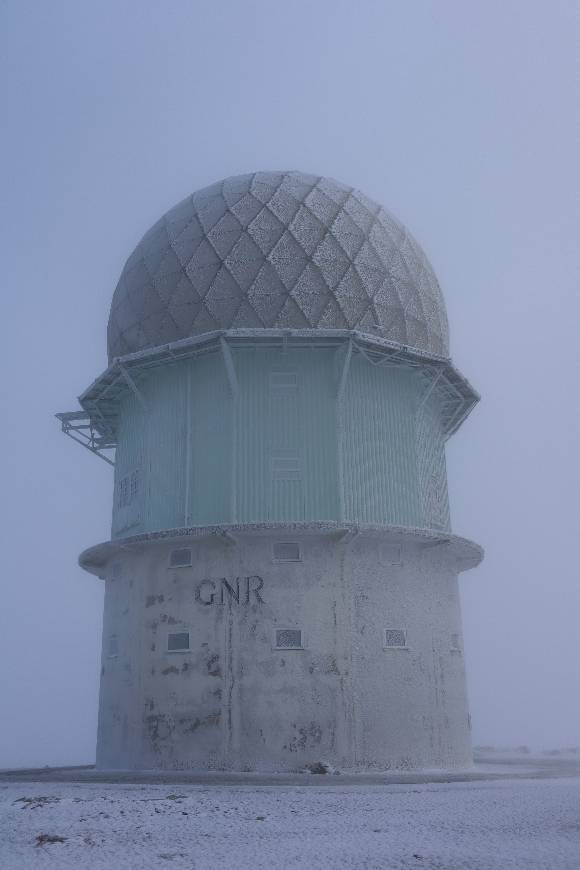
point(281, 579)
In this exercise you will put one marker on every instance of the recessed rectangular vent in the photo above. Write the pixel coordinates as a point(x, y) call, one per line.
point(286, 466)
point(123, 492)
point(113, 646)
point(128, 489)
point(180, 558)
point(115, 571)
point(455, 645)
point(288, 638)
point(392, 555)
point(395, 638)
point(286, 551)
point(283, 381)
point(178, 641)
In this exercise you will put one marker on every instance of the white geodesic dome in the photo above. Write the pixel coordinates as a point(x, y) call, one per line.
point(277, 250)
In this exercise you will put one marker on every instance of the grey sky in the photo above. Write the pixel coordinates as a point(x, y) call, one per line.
point(461, 118)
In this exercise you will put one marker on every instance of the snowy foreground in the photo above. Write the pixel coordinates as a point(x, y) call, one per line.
point(473, 825)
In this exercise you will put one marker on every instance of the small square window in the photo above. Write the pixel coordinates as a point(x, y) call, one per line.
point(180, 558)
point(288, 638)
point(178, 641)
point(395, 638)
point(113, 648)
point(286, 551)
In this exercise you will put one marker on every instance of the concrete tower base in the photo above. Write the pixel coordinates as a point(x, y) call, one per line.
point(309, 642)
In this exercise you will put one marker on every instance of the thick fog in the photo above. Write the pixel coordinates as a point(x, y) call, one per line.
point(461, 118)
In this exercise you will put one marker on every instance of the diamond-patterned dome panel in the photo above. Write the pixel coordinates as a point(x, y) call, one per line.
point(277, 250)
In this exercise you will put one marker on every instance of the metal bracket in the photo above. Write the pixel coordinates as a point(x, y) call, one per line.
point(78, 426)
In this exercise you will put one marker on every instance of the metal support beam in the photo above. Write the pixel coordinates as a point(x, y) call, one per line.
point(188, 450)
point(454, 421)
point(345, 370)
point(230, 368)
point(429, 390)
point(133, 387)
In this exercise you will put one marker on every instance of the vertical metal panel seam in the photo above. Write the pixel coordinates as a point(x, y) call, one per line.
point(187, 515)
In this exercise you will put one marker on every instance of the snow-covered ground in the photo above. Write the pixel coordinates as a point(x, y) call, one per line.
point(473, 825)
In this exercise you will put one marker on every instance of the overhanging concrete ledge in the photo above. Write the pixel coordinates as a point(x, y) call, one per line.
point(464, 553)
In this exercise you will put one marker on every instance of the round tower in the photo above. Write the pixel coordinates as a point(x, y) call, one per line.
point(281, 579)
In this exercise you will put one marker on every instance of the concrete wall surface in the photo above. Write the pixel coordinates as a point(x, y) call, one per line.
point(235, 701)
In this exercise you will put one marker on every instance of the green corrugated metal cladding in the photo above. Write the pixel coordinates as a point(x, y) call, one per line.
point(284, 443)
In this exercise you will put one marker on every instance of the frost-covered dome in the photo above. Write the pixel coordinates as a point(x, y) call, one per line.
point(277, 250)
